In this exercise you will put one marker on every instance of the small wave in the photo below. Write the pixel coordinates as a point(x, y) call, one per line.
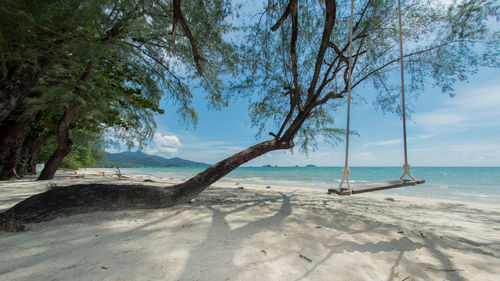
point(244, 178)
point(354, 181)
point(474, 195)
point(443, 187)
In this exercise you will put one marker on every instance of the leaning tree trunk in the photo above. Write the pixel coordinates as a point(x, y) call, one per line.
point(12, 132)
point(191, 188)
point(92, 197)
point(64, 145)
point(64, 142)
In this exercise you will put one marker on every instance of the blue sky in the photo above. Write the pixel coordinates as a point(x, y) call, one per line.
point(443, 131)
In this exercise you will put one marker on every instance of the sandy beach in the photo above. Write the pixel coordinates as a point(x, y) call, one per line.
point(255, 233)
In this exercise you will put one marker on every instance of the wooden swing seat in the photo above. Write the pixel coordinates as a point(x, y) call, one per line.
point(375, 186)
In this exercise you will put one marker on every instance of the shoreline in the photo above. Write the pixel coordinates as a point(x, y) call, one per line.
point(464, 185)
point(255, 233)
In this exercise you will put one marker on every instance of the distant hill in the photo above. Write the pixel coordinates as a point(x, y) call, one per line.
point(139, 159)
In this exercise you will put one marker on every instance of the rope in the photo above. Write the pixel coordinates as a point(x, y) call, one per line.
point(346, 170)
point(406, 169)
point(406, 166)
point(345, 178)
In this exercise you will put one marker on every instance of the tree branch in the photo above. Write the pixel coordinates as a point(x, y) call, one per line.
point(174, 27)
point(397, 60)
point(179, 17)
point(114, 32)
point(289, 115)
point(340, 53)
point(292, 130)
point(295, 92)
point(331, 8)
point(325, 78)
point(330, 96)
point(283, 17)
point(152, 68)
point(293, 52)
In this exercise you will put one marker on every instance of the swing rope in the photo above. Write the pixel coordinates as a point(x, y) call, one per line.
point(406, 166)
point(346, 170)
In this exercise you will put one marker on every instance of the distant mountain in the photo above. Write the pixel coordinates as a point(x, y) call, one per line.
point(140, 159)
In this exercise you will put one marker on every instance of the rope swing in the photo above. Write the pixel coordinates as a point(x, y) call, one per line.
point(406, 167)
point(345, 170)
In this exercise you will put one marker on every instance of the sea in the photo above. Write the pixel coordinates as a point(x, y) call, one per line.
point(467, 184)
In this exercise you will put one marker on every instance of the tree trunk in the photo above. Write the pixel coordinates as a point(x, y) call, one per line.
point(191, 188)
point(37, 148)
point(20, 80)
point(33, 144)
point(12, 132)
point(64, 145)
point(64, 142)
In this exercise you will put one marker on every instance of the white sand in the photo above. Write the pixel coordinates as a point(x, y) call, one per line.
point(281, 233)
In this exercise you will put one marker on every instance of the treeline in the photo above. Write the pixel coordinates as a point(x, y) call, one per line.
point(75, 74)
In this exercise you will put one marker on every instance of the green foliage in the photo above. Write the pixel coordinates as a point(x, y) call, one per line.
point(77, 159)
point(129, 51)
point(132, 56)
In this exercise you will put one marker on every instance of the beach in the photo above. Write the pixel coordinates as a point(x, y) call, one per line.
point(248, 231)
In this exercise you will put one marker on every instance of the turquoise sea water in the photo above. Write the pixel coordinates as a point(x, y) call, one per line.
point(470, 184)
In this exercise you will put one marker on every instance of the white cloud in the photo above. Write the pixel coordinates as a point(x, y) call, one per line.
point(461, 154)
point(474, 108)
point(198, 144)
point(166, 141)
point(423, 137)
point(164, 145)
point(382, 143)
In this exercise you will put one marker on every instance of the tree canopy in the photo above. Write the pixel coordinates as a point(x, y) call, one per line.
point(109, 63)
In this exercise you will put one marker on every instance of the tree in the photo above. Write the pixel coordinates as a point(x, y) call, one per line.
point(117, 97)
point(141, 34)
point(33, 36)
point(297, 59)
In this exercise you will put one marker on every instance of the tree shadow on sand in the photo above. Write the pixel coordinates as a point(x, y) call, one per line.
point(246, 235)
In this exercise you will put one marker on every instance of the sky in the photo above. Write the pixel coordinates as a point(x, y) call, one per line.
point(463, 130)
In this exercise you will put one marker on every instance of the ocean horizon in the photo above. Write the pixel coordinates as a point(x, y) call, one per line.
point(466, 184)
